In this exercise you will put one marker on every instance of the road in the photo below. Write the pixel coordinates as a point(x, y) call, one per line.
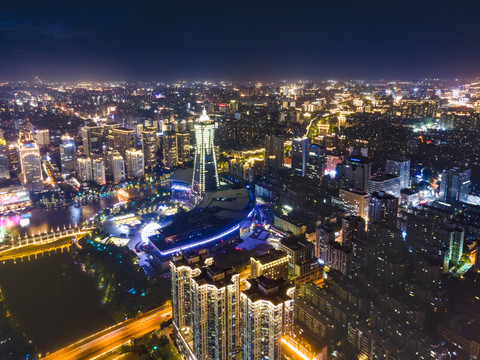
point(109, 339)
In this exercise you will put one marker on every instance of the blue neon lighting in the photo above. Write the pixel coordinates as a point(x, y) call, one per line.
point(198, 243)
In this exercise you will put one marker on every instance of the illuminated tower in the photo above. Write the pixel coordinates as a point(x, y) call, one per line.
point(267, 315)
point(135, 163)
point(31, 164)
point(67, 155)
point(98, 171)
point(4, 172)
point(205, 176)
point(149, 146)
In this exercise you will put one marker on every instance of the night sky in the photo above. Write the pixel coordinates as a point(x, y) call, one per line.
point(238, 40)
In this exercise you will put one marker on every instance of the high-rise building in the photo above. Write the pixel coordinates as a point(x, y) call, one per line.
point(267, 315)
point(399, 166)
point(324, 236)
point(84, 168)
point(206, 307)
point(42, 137)
point(135, 163)
point(149, 146)
point(356, 172)
point(216, 314)
point(67, 155)
point(274, 152)
point(383, 208)
point(355, 202)
point(183, 147)
point(4, 171)
point(31, 165)
point(387, 183)
point(273, 265)
point(98, 171)
point(92, 140)
point(170, 149)
point(298, 250)
point(300, 154)
point(205, 175)
point(316, 162)
point(118, 166)
point(454, 186)
point(123, 139)
point(419, 109)
point(353, 228)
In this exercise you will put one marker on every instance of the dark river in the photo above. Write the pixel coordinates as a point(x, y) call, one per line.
point(54, 302)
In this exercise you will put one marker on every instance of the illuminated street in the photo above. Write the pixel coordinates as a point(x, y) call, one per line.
point(109, 339)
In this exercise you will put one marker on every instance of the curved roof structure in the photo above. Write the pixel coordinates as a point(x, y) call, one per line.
point(215, 218)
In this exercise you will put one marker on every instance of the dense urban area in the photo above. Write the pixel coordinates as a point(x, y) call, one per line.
point(294, 220)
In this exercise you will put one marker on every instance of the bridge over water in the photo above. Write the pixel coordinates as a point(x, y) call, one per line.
point(34, 245)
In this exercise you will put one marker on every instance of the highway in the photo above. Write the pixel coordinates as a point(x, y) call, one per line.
point(109, 339)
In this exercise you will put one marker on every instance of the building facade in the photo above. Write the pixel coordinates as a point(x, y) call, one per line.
point(205, 175)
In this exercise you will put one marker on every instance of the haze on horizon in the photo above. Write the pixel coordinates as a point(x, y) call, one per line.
point(170, 40)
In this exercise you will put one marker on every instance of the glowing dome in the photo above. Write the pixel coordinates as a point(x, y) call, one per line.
point(149, 230)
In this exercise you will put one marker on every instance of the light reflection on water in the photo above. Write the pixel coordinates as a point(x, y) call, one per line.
point(41, 220)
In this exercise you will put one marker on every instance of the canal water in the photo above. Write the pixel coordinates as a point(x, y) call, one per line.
point(54, 302)
point(42, 219)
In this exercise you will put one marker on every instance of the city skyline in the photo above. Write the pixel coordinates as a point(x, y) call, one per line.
point(240, 181)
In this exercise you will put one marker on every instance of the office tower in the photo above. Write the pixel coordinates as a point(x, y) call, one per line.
point(205, 175)
point(383, 208)
point(92, 140)
point(42, 137)
point(149, 146)
point(399, 166)
point(170, 153)
point(454, 186)
point(98, 171)
point(267, 315)
point(4, 171)
point(135, 163)
point(84, 168)
point(273, 265)
point(216, 314)
point(67, 155)
point(31, 165)
point(353, 228)
point(387, 183)
point(123, 139)
point(355, 202)
point(118, 166)
point(356, 172)
point(274, 152)
point(300, 151)
point(183, 147)
point(316, 162)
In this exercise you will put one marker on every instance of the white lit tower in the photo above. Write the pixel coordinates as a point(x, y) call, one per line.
point(31, 164)
point(205, 175)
